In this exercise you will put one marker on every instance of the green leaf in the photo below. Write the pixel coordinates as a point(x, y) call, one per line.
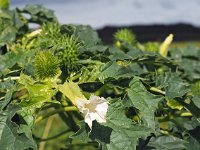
point(39, 94)
point(124, 134)
point(117, 54)
point(9, 137)
point(18, 57)
point(7, 87)
point(120, 69)
point(127, 138)
point(192, 144)
point(144, 101)
point(195, 88)
point(196, 100)
point(82, 133)
point(12, 23)
point(7, 36)
point(39, 14)
point(174, 86)
point(72, 91)
point(167, 143)
point(85, 34)
point(8, 97)
point(136, 53)
point(6, 84)
point(188, 59)
point(116, 114)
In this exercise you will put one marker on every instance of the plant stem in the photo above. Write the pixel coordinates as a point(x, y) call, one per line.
point(64, 109)
point(157, 90)
point(46, 132)
point(56, 136)
point(12, 78)
point(2, 98)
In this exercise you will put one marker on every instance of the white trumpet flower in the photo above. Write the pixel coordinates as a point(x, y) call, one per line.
point(93, 109)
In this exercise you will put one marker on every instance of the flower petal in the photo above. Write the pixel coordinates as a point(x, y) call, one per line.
point(93, 109)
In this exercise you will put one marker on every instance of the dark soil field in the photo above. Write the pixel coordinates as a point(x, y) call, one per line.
point(144, 33)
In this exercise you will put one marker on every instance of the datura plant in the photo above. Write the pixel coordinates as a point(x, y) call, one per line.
point(61, 87)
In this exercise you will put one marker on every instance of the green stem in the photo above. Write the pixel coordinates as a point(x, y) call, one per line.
point(12, 78)
point(157, 90)
point(46, 132)
point(2, 98)
point(65, 109)
point(56, 136)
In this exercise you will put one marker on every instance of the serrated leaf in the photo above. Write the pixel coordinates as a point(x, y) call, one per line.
point(9, 137)
point(144, 101)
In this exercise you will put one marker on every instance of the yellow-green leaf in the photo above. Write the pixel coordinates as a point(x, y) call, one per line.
point(72, 91)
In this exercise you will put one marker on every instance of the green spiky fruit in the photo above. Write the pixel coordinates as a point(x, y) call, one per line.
point(63, 46)
point(50, 34)
point(51, 30)
point(124, 35)
point(67, 51)
point(46, 65)
point(152, 46)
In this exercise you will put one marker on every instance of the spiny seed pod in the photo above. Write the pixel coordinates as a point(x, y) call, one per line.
point(46, 65)
point(51, 29)
point(124, 35)
point(152, 46)
point(67, 51)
